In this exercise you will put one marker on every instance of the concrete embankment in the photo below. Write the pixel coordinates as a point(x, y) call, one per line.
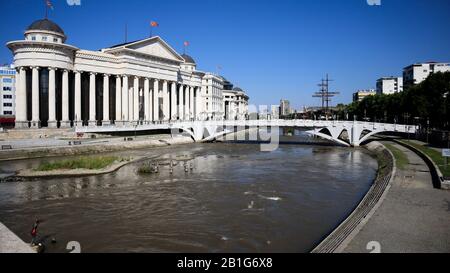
point(344, 233)
point(10, 243)
point(413, 218)
point(90, 148)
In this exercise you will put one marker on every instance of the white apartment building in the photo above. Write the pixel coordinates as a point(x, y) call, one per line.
point(361, 94)
point(389, 85)
point(285, 107)
point(275, 111)
point(8, 91)
point(417, 73)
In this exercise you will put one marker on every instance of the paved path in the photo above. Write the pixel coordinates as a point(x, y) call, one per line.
point(10, 243)
point(414, 217)
point(55, 142)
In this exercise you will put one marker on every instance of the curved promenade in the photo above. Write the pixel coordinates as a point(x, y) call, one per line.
point(411, 216)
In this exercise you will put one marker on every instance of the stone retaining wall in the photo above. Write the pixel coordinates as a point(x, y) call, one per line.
point(342, 235)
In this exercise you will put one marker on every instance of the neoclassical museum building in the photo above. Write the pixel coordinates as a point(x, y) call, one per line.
point(59, 85)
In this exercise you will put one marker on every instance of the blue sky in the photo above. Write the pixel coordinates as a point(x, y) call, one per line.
point(272, 49)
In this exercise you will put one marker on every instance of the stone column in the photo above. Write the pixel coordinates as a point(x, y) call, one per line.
point(125, 100)
point(35, 121)
point(156, 100)
point(52, 123)
point(173, 93)
point(118, 100)
point(21, 99)
point(92, 97)
point(187, 107)
point(181, 106)
point(166, 106)
point(197, 102)
point(130, 102)
point(147, 114)
point(191, 103)
point(65, 122)
point(136, 99)
point(106, 119)
point(78, 98)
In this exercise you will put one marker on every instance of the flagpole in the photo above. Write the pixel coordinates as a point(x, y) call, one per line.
point(126, 32)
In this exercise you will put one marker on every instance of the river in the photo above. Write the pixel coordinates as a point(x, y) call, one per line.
point(234, 199)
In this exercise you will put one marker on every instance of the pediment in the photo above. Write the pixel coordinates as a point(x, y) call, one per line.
point(155, 47)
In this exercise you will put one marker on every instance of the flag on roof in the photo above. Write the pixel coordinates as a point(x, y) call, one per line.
point(49, 4)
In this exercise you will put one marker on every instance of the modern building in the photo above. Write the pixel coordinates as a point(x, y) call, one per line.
point(8, 90)
point(144, 81)
point(389, 85)
point(235, 101)
point(361, 94)
point(275, 111)
point(417, 73)
point(285, 107)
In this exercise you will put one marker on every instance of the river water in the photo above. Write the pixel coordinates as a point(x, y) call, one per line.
point(235, 199)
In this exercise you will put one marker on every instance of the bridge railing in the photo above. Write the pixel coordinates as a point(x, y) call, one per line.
point(131, 126)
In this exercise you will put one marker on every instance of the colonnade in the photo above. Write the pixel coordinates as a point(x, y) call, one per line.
point(51, 97)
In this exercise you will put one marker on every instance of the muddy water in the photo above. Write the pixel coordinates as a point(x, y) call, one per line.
point(234, 199)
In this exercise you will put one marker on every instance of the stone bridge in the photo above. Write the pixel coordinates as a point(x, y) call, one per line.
point(346, 133)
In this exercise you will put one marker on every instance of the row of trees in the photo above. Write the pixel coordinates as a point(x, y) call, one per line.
point(426, 104)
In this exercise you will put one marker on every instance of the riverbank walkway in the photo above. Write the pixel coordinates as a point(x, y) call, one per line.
point(413, 218)
point(10, 243)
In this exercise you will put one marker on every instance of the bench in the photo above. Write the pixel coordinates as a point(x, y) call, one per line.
point(6, 147)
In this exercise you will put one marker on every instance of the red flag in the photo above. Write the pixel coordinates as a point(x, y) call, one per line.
point(186, 43)
point(154, 24)
point(49, 4)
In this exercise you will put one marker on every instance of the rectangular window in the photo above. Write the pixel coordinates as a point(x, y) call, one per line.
point(7, 96)
point(9, 113)
point(33, 38)
point(7, 80)
point(44, 38)
point(55, 40)
point(6, 88)
point(7, 104)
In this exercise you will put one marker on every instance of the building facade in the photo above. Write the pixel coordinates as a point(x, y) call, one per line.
point(285, 107)
point(389, 85)
point(145, 81)
point(275, 111)
point(417, 73)
point(235, 103)
point(361, 94)
point(8, 91)
point(213, 97)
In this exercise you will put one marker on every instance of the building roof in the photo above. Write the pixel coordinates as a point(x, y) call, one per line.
point(127, 43)
point(46, 25)
point(188, 59)
point(238, 89)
